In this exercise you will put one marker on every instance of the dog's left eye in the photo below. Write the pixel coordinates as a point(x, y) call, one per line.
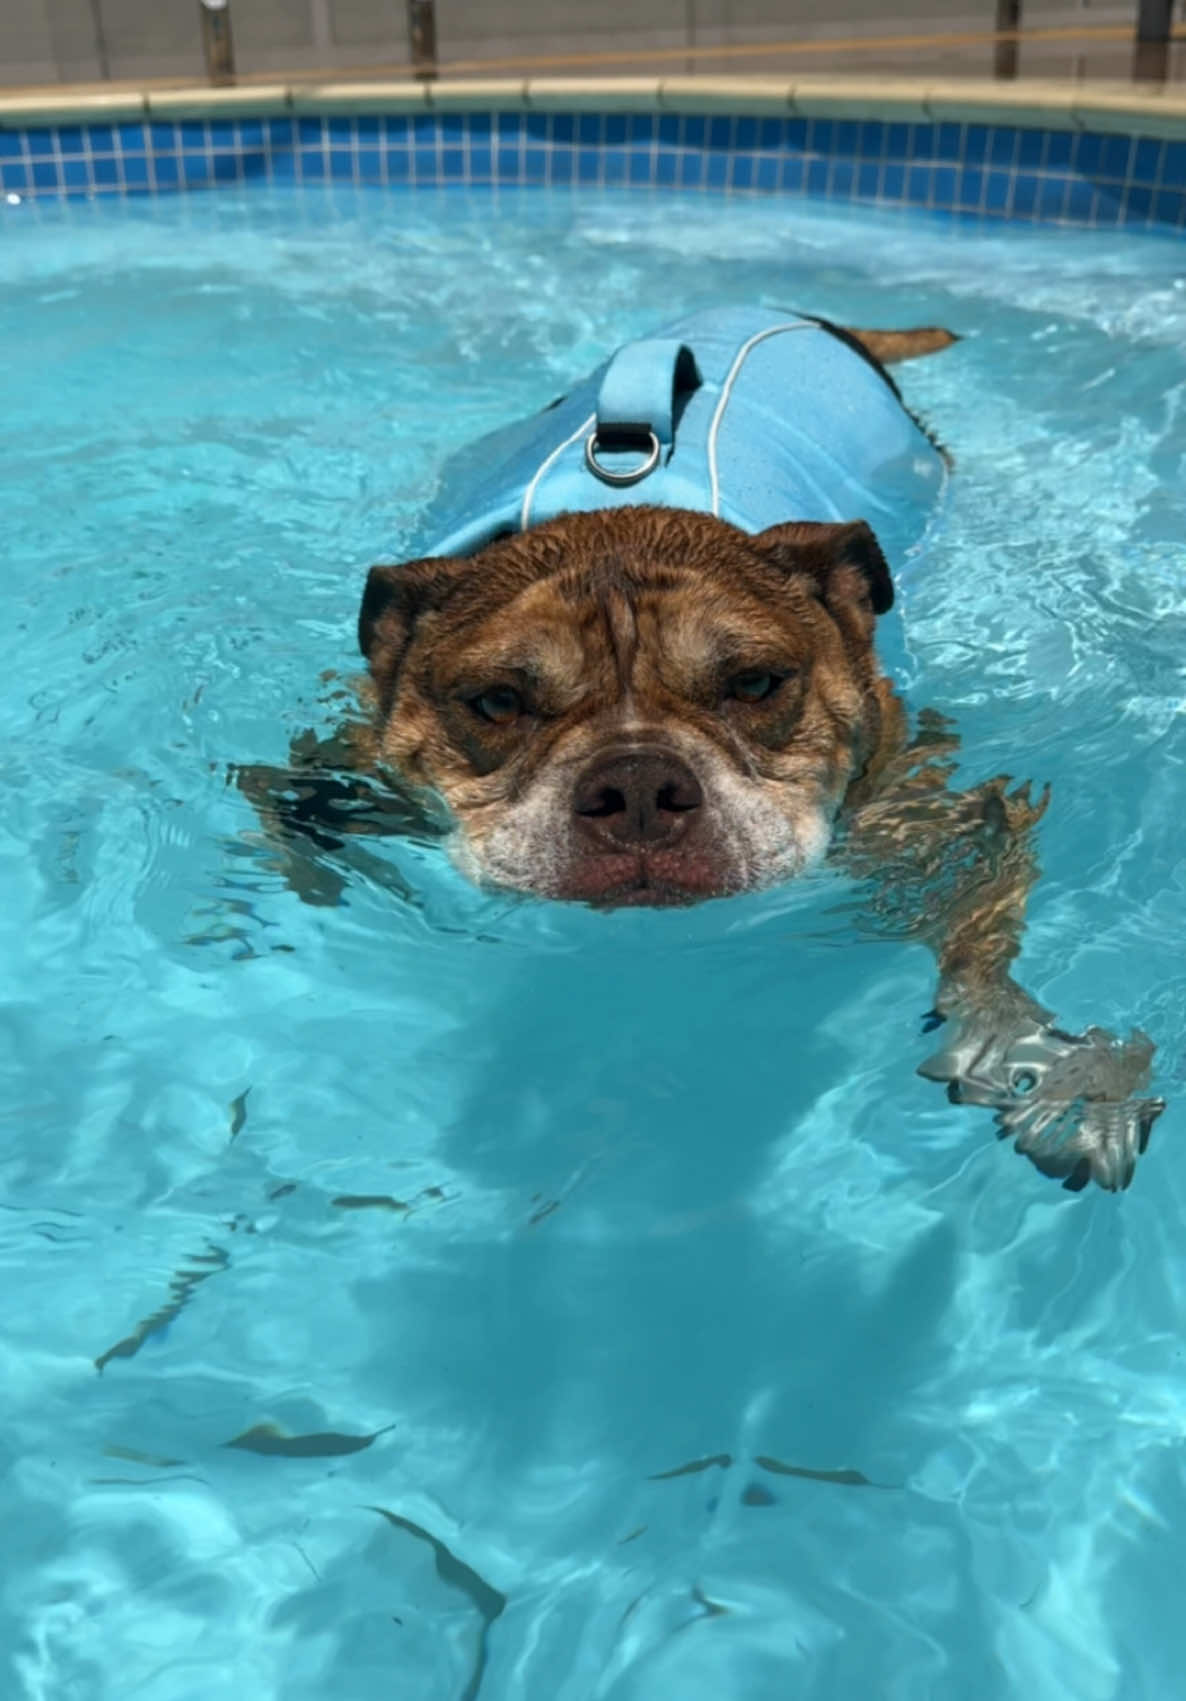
point(755, 685)
point(501, 704)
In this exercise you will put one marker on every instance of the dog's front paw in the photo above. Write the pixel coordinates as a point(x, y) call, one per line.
point(1066, 1100)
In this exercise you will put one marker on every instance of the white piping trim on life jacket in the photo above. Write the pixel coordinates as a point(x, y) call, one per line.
point(525, 513)
point(726, 388)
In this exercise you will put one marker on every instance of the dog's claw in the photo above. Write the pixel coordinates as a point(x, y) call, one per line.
point(1065, 1100)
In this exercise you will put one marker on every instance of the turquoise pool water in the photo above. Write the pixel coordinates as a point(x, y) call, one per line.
point(438, 1295)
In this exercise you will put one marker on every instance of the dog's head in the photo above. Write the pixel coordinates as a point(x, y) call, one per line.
point(636, 706)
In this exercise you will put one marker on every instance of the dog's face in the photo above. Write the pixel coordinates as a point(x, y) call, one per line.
point(636, 706)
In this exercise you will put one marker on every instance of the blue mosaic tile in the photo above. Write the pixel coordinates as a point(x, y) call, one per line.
point(1138, 205)
point(872, 138)
point(792, 174)
point(897, 141)
point(1002, 146)
point(976, 144)
point(996, 191)
point(1025, 194)
point(1031, 149)
point(945, 185)
point(1052, 192)
point(971, 187)
point(1080, 195)
point(1146, 161)
point(949, 142)
point(845, 137)
point(1173, 167)
point(1043, 174)
point(1115, 152)
point(1059, 147)
point(689, 170)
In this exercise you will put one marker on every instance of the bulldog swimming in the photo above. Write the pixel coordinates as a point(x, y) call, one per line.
point(636, 667)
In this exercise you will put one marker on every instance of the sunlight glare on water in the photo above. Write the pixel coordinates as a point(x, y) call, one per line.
point(439, 1294)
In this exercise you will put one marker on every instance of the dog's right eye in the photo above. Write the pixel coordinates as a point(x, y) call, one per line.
point(501, 705)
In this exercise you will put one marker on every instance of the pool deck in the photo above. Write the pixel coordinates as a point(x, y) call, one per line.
point(1130, 109)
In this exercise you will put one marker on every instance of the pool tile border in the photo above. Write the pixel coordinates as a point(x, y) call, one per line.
point(896, 145)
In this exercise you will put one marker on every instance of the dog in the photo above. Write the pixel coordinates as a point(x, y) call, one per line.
point(657, 702)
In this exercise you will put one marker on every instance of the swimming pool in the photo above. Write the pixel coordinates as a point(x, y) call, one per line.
point(436, 1294)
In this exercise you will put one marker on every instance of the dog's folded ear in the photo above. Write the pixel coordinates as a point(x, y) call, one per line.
point(393, 601)
point(845, 561)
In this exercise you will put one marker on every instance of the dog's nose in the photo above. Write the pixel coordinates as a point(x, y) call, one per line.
point(636, 797)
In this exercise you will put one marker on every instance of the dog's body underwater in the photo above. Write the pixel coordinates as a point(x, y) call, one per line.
point(635, 665)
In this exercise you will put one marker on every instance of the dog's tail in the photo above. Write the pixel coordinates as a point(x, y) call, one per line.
point(890, 346)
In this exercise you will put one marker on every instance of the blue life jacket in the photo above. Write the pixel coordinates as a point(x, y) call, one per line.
point(752, 414)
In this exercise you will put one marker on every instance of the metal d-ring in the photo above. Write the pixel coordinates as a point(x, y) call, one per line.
point(632, 477)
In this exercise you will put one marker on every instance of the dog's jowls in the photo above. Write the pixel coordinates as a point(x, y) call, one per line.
point(634, 706)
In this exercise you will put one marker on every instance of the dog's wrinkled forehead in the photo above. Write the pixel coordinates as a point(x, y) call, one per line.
point(586, 595)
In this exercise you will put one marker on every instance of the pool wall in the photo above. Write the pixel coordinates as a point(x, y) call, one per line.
point(1061, 158)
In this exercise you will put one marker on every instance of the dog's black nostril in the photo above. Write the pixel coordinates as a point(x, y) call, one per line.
point(608, 801)
point(636, 797)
